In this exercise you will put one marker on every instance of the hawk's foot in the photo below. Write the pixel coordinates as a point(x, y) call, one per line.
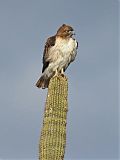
point(56, 73)
point(62, 73)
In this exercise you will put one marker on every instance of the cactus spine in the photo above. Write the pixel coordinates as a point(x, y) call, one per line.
point(53, 134)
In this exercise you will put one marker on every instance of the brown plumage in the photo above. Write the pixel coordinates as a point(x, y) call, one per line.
point(60, 50)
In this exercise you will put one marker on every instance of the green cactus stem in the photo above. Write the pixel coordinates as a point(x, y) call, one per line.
point(53, 135)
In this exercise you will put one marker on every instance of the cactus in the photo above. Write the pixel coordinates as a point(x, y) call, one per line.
point(53, 135)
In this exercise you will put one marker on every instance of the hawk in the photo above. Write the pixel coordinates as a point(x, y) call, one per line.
point(60, 50)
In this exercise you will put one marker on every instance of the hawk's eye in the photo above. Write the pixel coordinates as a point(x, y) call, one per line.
point(67, 31)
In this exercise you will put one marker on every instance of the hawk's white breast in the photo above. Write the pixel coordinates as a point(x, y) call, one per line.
point(65, 45)
point(62, 53)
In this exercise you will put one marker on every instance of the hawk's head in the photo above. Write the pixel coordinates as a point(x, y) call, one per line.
point(65, 31)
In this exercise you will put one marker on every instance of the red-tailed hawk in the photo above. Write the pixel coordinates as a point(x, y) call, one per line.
point(60, 50)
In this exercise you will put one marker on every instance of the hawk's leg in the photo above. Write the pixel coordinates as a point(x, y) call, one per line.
point(56, 73)
point(62, 72)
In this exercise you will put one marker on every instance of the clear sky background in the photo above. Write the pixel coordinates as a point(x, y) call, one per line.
point(92, 128)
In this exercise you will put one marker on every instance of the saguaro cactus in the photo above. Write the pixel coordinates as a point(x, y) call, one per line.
point(53, 134)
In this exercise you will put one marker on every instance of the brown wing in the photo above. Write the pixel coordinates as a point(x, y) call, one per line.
point(50, 42)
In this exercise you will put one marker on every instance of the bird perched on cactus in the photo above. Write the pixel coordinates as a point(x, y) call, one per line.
point(60, 50)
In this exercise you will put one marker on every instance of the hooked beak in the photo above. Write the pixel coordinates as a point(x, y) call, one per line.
point(72, 33)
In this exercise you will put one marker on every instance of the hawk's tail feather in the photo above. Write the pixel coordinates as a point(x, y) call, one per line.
point(43, 82)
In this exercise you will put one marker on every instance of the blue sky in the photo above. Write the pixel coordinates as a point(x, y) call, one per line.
point(92, 128)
